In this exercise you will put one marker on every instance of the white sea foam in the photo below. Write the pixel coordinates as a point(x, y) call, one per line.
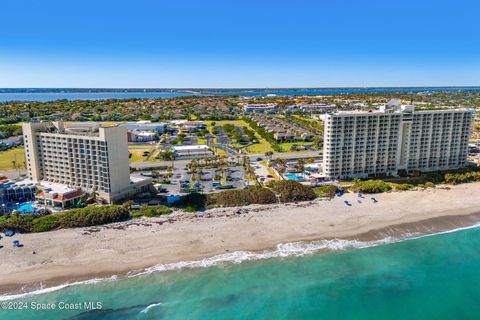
point(44, 290)
point(283, 250)
point(153, 305)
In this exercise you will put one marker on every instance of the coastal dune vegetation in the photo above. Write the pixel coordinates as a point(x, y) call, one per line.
point(285, 190)
point(75, 218)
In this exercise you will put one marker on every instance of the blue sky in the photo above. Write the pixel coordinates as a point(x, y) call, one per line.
point(147, 43)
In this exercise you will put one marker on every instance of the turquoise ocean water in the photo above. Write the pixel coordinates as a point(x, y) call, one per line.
point(432, 277)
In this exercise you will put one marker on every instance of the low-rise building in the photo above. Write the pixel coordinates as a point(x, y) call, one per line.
point(16, 191)
point(282, 130)
point(315, 108)
point(144, 125)
point(260, 107)
point(58, 195)
point(192, 152)
point(192, 126)
point(10, 142)
point(141, 136)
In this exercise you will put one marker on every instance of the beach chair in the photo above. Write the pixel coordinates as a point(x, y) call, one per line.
point(16, 243)
point(9, 233)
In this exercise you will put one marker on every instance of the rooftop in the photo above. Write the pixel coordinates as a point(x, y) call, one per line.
point(192, 147)
point(50, 187)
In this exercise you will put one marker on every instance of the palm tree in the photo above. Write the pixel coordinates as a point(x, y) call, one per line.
point(269, 155)
point(246, 160)
point(356, 183)
point(281, 162)
point(128, 205)
point(94, 194)
point(251, 174)
point(281, 171)
point(169, 156)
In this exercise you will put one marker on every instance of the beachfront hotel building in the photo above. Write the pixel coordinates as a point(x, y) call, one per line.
point(362, 144)
point(83, 155)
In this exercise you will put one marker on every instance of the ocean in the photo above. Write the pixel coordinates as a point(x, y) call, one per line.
point(429, 277)
point(41, 95)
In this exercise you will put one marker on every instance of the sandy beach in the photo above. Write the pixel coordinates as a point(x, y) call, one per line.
point(84, 253)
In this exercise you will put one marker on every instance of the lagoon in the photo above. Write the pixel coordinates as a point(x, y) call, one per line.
point(45, 95)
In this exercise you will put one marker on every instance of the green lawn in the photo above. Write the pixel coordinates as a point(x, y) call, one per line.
point(272, 172)
point(239, 123)
point(219, 152)
point(141, 146)
point(103, 123)
point(259, 148)
point(286, 146)
point(7, 158)
point(155, 154)
point(137, 156)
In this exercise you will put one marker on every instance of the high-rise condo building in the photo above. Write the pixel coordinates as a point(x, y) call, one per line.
point(87, 155)
point(380, 143)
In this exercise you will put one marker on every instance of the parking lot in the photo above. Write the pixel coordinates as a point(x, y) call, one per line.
point(233, 176)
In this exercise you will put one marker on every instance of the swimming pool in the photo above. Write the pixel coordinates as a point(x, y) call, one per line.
point(294, 176)
point(26, 207)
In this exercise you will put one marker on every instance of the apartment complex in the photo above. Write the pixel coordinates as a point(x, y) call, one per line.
point(380, 143)
point(260, 107)
point(87, 156)
point(281, 129)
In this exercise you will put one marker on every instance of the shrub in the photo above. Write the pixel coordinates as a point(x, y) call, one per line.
point(462, 177)
point(191, 208)
point(249, 195)
point(269, 184)
point(136, 214)
point(429, 185)
point(46, 223)
point(327, 191)
point(292, 191)
point(153, 211)
point(91, 216)
point(194, 202)
point(401, 186)
point(371, 186)
point(17, 223)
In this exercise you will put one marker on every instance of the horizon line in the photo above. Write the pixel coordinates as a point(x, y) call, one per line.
point(240, 88)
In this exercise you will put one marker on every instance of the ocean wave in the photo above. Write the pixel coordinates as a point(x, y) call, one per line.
point(153, 305)
point(283, 250)
point(44, 290)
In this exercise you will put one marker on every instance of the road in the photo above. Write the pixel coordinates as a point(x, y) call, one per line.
point(252, 157)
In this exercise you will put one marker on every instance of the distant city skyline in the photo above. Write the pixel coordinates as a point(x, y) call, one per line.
point(252, 44)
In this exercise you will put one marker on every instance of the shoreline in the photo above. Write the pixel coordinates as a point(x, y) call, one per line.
point(126, 248)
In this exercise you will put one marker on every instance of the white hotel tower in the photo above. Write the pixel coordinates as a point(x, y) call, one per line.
point(363, 144)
